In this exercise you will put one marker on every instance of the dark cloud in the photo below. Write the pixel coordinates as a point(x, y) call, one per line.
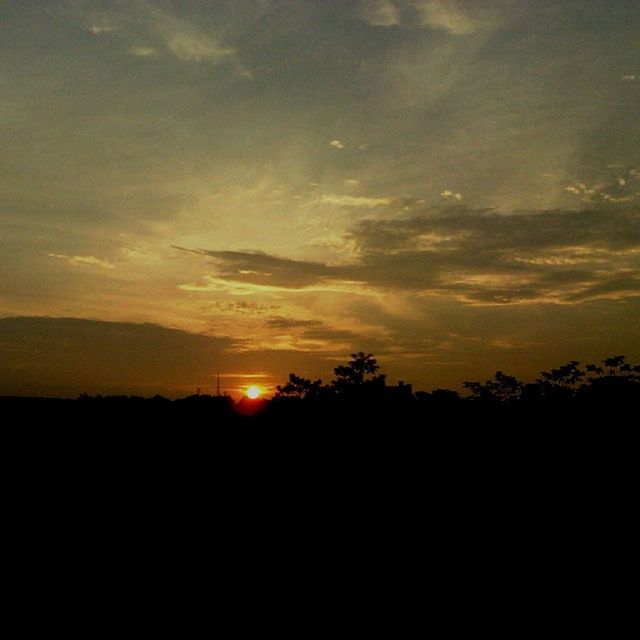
point(68, 356)
point(618, 285)
point(477, 254)
point(325, 333)
point(493, 257)
point(242, 307)
point(487, 230)
point(278, 322)
point(312, 329)
point(261, 268)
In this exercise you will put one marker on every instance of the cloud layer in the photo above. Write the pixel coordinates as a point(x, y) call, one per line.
point(150, 28)
point(70, 355)
point(454, 17)
point(480, 256)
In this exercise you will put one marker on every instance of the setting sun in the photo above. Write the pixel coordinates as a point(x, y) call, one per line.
point(254, 392)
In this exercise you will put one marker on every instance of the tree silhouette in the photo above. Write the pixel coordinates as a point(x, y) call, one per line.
point(502, 388)
point(361, 370)
point(298, 387)
point(614, 368)
point(359, 373)
point(615, 364)
point(616, 375)
point(594, 368)
point(559, 391)
point(559, 385)
point(564, 377)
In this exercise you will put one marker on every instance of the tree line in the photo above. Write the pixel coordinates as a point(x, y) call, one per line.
point(360, 377)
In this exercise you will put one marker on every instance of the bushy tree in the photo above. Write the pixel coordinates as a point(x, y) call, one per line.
point(298, 387)
point(361, 370)
point(566, 376)
point(615, 367)
point(616, 372)
point(502, 388)
point(561, 383)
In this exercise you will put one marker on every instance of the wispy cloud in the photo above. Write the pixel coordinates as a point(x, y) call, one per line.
point(83, 261)
point(465, 17)
point(183, 39)
point(456, 17)
point(355, 201)
point(260, 268)
point(197, 47)
point(165, 32)
point(310, 329)
point(628, 78)
point(478, 256)
point(614, 191)
point(102, 28)
point(447, 193)
point(142, 51)
point(336, 144)
point(380, 13)
point(445, 15)
point(617, 199)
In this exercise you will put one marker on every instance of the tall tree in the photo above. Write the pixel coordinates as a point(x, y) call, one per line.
point(361, 370)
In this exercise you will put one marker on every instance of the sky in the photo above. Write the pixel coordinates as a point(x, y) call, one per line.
point(254, 187)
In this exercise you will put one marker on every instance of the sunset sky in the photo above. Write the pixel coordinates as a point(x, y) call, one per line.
point(253, 187)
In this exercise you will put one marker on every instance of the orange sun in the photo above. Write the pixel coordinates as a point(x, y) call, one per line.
point(253, 392)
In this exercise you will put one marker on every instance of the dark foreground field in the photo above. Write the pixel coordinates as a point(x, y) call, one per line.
point(427, 432)
point(461, 496)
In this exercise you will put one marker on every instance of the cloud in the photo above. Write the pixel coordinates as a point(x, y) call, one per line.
point(587, 193)
point(380, 13)
point(450, 194)
point(243, 307)
point(456, 17)
point(352, 182)
point(166, 32)
point(628, 78)
point(474, 255)
point(466, 17)
point(102, 28)
point(616, 286)
point(486, 256)
point(336, 144)
point(142, 51)
point(314, 330)
point(614, 191)
point(617, 199)
point(280, 322)
point(83, 261)
point(324, 333)
point(355, 201)
point(243, 72)
point(445, 15)
point(260, 268)
point(69, 356)
point(197, 47)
